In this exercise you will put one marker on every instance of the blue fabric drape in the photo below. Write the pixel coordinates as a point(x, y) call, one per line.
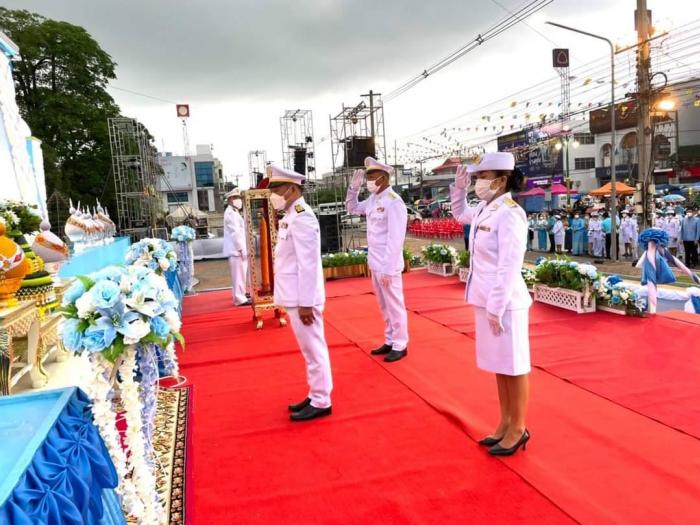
point(65, 482)
point(696, 304)
point(174, 284)
point(662, 274)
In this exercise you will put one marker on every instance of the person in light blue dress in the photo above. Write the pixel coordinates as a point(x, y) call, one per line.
point(578, 228)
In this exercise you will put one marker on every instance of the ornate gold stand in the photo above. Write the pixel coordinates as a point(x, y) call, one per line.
point(17, 322)
point(261, 228)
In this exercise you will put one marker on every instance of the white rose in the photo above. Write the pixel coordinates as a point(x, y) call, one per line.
point(138, 329)
point(173, 319)
point(85, 306)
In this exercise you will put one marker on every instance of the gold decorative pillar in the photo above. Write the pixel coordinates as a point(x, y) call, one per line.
point(261, 227)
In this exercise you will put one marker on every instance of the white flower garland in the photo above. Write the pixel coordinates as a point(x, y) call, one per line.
point(141, 472)
point(99, 390)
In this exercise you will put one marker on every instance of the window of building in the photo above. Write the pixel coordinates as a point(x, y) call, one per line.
point(584, 163)
point(203, 199)
point(204, 173)
point(584, 138)
point(175, 197)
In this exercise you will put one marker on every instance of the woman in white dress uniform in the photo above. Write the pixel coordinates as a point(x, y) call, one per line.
point(497, 290)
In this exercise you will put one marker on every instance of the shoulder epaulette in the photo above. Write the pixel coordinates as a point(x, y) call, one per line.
point(510, 202)
point(393, 195)
point(299, 208)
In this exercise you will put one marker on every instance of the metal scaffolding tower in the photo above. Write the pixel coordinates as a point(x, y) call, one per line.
point(356, 132)
point(257, 163)
point(297, 131)
point(136, 170)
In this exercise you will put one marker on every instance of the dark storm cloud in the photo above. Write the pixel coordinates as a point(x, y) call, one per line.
point(211, 49)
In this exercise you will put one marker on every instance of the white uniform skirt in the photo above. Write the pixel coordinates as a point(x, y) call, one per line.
point(508, 353)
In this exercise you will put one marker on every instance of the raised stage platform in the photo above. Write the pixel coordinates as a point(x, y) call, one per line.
point(614, 417)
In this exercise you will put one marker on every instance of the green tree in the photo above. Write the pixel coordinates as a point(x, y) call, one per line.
point(60, 84)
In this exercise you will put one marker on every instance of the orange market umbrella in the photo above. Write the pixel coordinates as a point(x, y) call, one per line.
point(606, 189)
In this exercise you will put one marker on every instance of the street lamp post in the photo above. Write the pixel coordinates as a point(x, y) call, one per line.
point(613, 178)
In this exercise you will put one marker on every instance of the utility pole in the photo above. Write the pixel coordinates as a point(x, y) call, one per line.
point(645, 170)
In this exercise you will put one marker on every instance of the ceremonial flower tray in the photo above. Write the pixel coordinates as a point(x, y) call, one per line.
point(442, 269)
point(463, 274)
point(579, 302)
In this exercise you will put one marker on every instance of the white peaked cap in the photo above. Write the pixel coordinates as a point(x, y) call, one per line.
point(498, 161)
point(235, 192)
point(372, 164)
point(278, 175)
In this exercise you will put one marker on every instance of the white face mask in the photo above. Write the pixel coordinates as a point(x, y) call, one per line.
point(278, 201)
point(372, 186)
point(483, 190)
point(237, 203)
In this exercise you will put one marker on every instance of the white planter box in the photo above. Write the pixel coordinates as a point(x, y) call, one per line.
point(611, 309)
point(442, 269)
point(463, 274)
point(564, 298)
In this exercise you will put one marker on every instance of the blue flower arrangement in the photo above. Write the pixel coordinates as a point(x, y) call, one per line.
point(119, 306)
point(183, 234)
point(155, 254)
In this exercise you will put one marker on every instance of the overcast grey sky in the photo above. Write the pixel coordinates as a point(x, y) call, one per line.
point(241, 63)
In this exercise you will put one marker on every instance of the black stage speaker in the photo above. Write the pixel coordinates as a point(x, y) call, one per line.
point(329, 224)
point(357, 149)
point(300, 160)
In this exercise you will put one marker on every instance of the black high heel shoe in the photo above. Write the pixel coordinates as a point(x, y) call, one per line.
point(489, 441)
point(498, 450)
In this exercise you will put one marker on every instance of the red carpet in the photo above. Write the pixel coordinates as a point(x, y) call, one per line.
point(395, 450)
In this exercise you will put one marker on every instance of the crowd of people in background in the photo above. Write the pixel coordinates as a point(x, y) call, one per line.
point(589, 232)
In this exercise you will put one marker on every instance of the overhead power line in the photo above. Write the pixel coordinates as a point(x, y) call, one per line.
point(505, 24)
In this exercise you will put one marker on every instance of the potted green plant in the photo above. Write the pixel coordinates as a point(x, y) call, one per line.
point(463, 265)
point(566, 284)
point(440, 259)
point(344, 264)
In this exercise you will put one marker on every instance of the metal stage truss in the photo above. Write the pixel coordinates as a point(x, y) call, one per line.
point(356, 132)
point(257, 164)
point(297, 132)
point(136, 170)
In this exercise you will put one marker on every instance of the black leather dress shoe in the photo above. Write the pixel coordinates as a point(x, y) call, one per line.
point(299, 406)
point(247, 303)
point(384, 349)
point(395, 355)
point(310, 412)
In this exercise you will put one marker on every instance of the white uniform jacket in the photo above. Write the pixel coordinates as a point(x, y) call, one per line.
point(386, 229)
point(498, 240)
point(298, 271)
point(234, 234)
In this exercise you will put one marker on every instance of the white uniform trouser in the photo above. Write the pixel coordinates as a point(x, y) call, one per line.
point(312, 341)
point(393, 309)
point(239, 267)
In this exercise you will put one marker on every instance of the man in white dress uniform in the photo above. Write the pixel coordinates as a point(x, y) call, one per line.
point(235, 246)
point(299, 287)
point(386, 230)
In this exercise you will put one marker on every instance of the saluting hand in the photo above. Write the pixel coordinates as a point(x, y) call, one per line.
point(306, 314)
point(463, 179)
point(495, 324)
point(357, 177)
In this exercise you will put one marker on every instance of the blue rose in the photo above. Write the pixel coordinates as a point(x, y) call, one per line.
point(615, 299)
point(71, 336)
point(153, 265)
point(100, 336)
point(112, 273)
point(159, 253)
point(614, 279)
point(73, 293)
point(592, 274)
point(105, 293)
point(160, 327)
